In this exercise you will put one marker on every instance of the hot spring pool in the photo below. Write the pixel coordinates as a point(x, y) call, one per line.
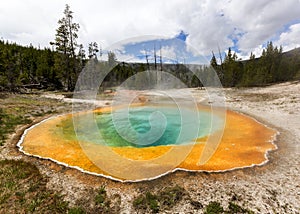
point(134, 147)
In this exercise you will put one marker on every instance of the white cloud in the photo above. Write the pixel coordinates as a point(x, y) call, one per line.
point(260, 20)
point(205, 24)
point(118, 20)
point(29, 21)
point(169, 52)
point(290, 39)
point(257, 51)
point(209, 23)
point(213, 23)
point(121, 57)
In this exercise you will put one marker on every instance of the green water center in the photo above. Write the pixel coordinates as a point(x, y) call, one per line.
point(142, 126)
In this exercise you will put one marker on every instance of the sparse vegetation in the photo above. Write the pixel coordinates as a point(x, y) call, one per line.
point(102, 201)
point(8, 123)
point(101, 196)
point(76, 210)
point(214, 208)
point(23, 190)
point(22, 187)
point(234, 208)
point(196, 204)
point(18, 109)
point(164, 199)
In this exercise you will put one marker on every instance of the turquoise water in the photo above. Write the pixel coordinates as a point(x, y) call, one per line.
point(152, 126)
point(140, 127)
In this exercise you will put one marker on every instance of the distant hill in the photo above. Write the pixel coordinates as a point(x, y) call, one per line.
point(292, 57)
point(292, 53)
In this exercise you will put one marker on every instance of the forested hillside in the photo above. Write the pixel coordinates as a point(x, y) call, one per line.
point(273, 66)
point(28, 67)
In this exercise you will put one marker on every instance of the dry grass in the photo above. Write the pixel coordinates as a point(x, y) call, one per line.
point(23, 190)
point(22, 187)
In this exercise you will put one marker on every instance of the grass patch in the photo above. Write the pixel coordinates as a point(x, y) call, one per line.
point(234, 208)
point(163, 200)
point(214, 208)
point(101, 197)
point(18, 109)
point(22, 187)
point(23, 190)
point(104, 203)
point(76, 210)
point(8, 122)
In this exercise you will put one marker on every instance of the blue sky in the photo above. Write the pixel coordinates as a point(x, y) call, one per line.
point(171, 50)
point(200, 26)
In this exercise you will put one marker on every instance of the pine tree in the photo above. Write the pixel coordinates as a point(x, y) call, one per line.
point(228, 70)
point(112, 60)
point(217, 68)
point(232, 70)
point(93, 50)
point(249, 72)
point(66, 44)
point(213, 61)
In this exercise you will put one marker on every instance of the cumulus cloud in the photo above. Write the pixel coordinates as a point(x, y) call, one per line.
point(290, 39)
point(210, 24)
point(30, 21)
point(245, 25)
point(118, 20)
point(121, 57)
point(206, 25)
point(169, 52)
point(262, 20)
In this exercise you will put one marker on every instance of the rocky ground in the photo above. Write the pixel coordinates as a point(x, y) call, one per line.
point(272, 188)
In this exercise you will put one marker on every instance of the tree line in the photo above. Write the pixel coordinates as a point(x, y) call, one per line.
point(58, 68)
point(272, 67)
point(27, 67)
